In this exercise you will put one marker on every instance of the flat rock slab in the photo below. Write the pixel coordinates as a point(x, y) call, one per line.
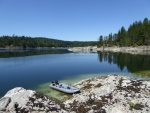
point(4, 102)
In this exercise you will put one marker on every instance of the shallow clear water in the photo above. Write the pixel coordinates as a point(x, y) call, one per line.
point(34, 70)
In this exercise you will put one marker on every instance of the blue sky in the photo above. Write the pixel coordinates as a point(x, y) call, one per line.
point(72, 20)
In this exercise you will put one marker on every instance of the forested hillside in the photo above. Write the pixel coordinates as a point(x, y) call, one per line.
point(22, 41)
point(137, 34)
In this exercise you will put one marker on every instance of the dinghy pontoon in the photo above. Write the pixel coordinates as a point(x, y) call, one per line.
point(64, 87)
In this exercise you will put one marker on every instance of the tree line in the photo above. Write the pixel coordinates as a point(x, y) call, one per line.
point(24, 41)
point(137, 34)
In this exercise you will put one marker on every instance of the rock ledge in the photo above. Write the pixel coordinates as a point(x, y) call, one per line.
point(103, 94)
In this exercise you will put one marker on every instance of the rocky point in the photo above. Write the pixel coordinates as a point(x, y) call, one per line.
point(103, 94)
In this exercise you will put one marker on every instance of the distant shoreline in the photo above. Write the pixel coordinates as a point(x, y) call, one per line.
point(143, 50)
point(17, 47)
point(132, 50)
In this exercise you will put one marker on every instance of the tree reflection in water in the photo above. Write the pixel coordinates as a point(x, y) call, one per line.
point(138, 64)
point(21, 53)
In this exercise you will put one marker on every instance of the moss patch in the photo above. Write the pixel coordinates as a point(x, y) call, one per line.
point(136, 106)
point(145, 73)
point(87, 86)
point(98, 85)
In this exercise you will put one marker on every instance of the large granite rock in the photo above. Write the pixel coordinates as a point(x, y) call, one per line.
point(27, 101)
point(111, 94)
point(4, 103)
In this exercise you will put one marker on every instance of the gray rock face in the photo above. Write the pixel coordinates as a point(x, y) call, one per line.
point(4, 103)
point(132, 50)
point(111, 94)
point(83, 49)
point(27, 101)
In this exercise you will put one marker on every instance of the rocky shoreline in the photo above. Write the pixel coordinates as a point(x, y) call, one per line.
point(103, 94)
point(132, 50)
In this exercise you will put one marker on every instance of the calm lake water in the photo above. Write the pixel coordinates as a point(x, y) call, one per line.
point(30, 68)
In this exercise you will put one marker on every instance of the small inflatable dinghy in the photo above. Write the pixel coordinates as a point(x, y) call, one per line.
point(64, 87)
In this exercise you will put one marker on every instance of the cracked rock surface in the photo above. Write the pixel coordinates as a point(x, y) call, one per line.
point(28, 101)
point(111, 94)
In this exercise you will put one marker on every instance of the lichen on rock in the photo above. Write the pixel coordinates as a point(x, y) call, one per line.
point(114, 95)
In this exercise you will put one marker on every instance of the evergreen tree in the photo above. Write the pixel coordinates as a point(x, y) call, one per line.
point(115, 38)
point(146, 31)
point(122, 36)
point(100, 41)
point(110, 41)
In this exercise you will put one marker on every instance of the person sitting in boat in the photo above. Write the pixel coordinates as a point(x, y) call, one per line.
point(53, 83)
point(56, 82)
point(68, 87)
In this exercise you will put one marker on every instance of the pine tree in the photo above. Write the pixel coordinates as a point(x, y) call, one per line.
point(110, 41)
point(100, 41)
point(146, 31)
